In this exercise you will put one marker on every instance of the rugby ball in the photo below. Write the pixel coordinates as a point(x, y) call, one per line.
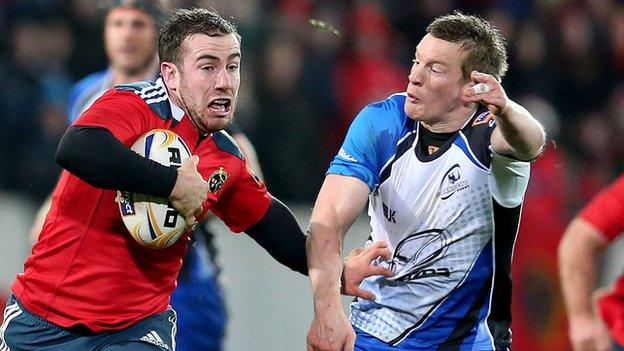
point(152, 221)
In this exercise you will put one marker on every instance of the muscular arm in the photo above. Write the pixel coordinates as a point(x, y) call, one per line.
point(580, 246)
point(339, 203)
point(518, 133)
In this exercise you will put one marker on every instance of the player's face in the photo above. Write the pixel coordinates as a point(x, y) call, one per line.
point(436, 82)
point(210, 79)
point(130, 39)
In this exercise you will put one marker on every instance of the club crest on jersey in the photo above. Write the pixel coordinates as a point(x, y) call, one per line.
point(452, 182)
point(217, 179)
point(483, 118)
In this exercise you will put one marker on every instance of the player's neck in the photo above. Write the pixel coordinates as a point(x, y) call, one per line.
point(452, 123)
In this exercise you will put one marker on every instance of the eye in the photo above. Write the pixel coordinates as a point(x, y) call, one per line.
point(207, 68)
point(233, 67)
point(436, 69)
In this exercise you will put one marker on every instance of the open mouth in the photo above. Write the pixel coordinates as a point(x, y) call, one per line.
point(220, 106)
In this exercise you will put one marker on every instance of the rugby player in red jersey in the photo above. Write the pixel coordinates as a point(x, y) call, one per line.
point(87, 284)
point(595, 317)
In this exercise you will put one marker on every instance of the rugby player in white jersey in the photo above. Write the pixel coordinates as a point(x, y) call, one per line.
point(444, 167)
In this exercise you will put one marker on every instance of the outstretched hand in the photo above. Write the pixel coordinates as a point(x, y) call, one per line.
point(357, 267)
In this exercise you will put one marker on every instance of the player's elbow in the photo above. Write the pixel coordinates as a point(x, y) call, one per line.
point(65, 152)
point(580, 241)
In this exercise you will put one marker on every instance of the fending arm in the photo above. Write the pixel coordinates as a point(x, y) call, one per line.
point(579, 248)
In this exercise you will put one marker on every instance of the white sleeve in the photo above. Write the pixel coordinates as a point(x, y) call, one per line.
point(508, 179)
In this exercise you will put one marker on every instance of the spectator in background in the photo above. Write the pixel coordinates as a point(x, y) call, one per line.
point(33, 106)
point(292, 132)
point(368, 71)
point(596, 320)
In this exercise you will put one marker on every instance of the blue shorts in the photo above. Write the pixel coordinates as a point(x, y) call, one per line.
point(367, 342)
point(23, 330)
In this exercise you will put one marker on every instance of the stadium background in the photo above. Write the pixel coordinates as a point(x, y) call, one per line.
point(301, 87)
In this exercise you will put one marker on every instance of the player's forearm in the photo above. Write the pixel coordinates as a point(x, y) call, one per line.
point(577, 270)
point(324, 247)
point(280, 235)
point(521, 131)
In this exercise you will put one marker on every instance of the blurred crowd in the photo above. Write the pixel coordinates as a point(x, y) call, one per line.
point(304, 83)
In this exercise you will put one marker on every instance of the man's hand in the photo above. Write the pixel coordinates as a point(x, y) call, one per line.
point(330, 329)
point(589, 334)
point(189, 192)
point(357, 267)
point(488, 91)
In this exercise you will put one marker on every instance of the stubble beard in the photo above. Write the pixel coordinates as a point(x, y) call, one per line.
point(207, 124)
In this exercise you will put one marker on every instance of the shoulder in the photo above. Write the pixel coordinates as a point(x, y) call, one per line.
point(224, 142)
point(84, 92)
point(386, 119)
point(477, 133)
point(153, 93)
point(92, 80)
point(385, 112)
point(618, 186)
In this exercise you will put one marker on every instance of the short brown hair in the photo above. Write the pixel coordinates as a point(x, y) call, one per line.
point(186, 22)
point(481, 40)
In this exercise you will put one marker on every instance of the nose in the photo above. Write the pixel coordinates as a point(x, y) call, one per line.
point(415, 76)
point(223, 80)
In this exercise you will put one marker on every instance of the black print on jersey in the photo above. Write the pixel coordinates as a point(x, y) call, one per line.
point(388, 213)
point(415, 254)
point(452, 182)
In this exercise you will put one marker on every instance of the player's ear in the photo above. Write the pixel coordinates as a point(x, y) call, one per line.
point(170, 74)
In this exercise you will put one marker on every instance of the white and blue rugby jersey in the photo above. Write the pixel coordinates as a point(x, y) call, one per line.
point(450, 220)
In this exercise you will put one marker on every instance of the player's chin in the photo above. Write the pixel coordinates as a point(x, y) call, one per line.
point(413, 112)
point(214, 124)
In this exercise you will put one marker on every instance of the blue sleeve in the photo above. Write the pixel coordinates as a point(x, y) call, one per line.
point(82, 92)
point(72, 105)
point(370, 141)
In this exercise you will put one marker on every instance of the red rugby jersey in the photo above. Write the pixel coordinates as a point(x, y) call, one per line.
point(86, 270)
point(606, 213)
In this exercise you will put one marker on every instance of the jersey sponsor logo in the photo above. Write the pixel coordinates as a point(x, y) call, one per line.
point(126, 203)
point(346, 156)
point(483, 118)
point(154, 339)
point(452, 182)
point(217, 179)
point(415, 254)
